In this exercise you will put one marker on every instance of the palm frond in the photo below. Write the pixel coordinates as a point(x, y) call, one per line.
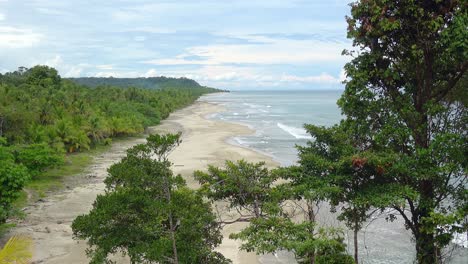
point(17, 250)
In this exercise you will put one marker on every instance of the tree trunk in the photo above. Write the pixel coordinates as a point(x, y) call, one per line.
point(256, 207)
point(171, 221)
point(174, 246)
point(356, 249)
point(426, 249)
point(311, 219)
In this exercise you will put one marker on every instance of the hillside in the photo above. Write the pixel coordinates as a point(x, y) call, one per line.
point(149, 83)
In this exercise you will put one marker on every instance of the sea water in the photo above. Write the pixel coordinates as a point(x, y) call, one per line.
point(278, 119)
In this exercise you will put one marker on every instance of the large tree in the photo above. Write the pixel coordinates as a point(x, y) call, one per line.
point(409, 60)
point(281, 213)
point(150, 214)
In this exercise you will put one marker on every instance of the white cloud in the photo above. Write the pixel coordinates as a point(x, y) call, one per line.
point(105, 67)
point(139, 38)
point(219, 75)
point(55, 62)
point(2, 17)
point(125, 16)
point(74, 71)
point(50, 11)
point(12, 37)
point(150, 73)
point(270, 51)
point(322, 78)
point(106, 74)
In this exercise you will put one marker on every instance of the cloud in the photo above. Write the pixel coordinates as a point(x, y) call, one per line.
point(105, 67)
point(13, 37)
point(224, 43)
point(232, 76)
point(139, 38)
point(150, 73)
point(55, 62)
point(322, 78)
point(50, 11)
point(73, 72)
point(107, 74)
point(270, 51)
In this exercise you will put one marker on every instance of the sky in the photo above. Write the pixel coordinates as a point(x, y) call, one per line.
point(235, 44)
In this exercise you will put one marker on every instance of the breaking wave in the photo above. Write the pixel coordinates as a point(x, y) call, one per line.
point(296, 132)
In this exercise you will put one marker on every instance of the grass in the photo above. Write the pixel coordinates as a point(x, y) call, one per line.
point(52, 179)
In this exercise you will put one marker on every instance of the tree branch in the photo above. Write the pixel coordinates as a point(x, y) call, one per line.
point(439, 95)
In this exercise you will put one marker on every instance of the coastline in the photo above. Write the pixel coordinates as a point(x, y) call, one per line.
point(204, 142)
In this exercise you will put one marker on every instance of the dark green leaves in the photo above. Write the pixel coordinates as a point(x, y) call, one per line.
point(146, 210)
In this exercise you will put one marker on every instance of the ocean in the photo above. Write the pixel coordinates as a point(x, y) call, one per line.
point(278, 117)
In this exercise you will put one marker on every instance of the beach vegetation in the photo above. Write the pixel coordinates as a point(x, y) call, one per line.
point(402, 145)
point(281, 213)
point(149, 214)
point(48, 124)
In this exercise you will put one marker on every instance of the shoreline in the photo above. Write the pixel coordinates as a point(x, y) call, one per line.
point(232, 140)
point(204, 142)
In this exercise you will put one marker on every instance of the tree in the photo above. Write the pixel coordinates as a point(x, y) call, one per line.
point(43, 76)
point(310, 244)
point(410, 57)
point(38, 157)
point(13, 177)
point(338, 170)
point(281, 215)
point(149, 213)
point(245, 186)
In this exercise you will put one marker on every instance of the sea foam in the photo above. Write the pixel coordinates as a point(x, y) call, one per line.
point(296, 132)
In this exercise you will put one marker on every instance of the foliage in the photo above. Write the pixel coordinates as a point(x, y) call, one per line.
point(13, 177)
point(403, 121)
point(37, 157)
point(281, 215)
point(268, 235)
point(17, 250)
point(242, 184)
point(150, 82)
point(43, 116)
point(149, 213)
point(38, 106)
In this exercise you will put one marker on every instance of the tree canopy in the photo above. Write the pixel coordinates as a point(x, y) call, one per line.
point(149, 213)
point(403, 142)
point(43, 116)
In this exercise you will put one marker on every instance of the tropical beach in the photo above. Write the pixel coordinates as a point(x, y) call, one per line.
point(246, 132)
point(203, 142)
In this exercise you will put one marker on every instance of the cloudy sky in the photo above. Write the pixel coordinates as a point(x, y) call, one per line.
point(236, 44)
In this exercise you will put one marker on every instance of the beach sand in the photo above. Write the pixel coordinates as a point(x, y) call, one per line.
point(204, 142)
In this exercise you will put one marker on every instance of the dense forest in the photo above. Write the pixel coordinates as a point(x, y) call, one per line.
point(43, 117)
point(150, 82)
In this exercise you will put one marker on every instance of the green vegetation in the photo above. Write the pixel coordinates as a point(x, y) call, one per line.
point(409, 134)
point(403, 142)
point(282, 216)
point(149, 83)
point(149, 213)
point(46, 122)
point(402, 145)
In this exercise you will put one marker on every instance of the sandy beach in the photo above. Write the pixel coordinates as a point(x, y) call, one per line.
point(204, 142)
